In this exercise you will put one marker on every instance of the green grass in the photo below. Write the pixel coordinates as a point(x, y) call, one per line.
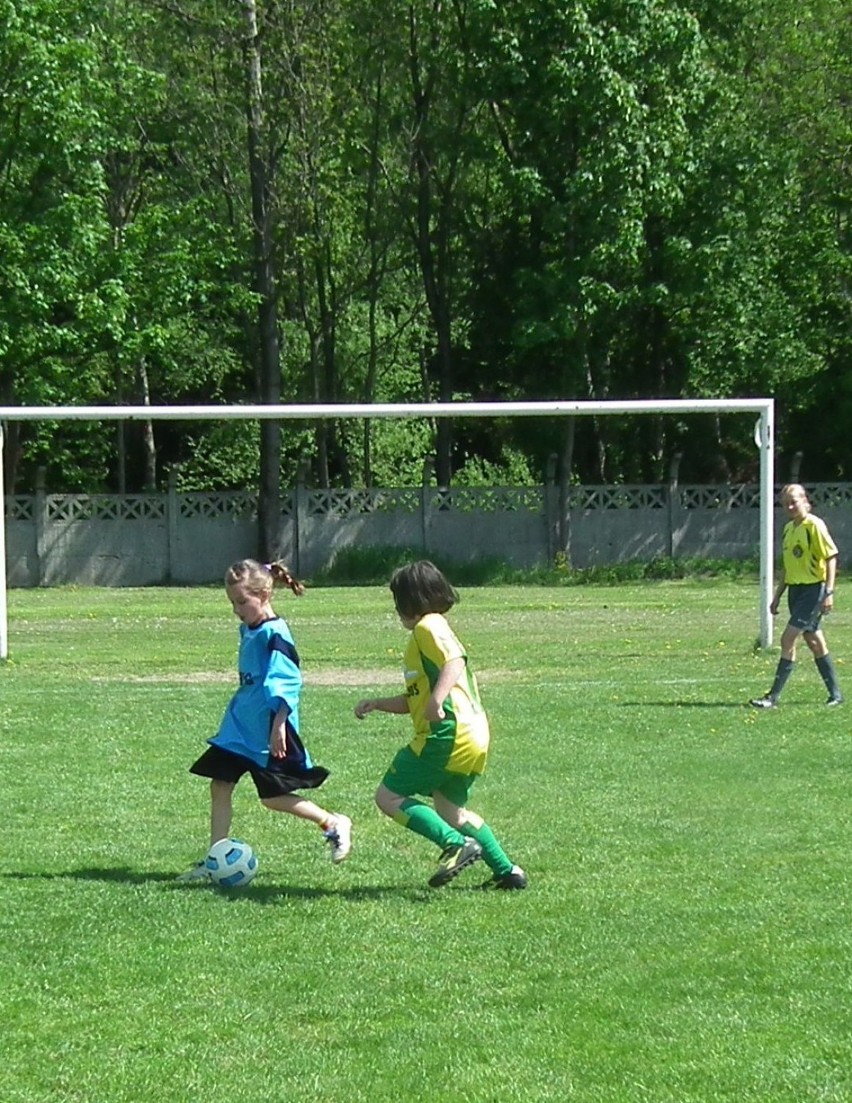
point(686, 932)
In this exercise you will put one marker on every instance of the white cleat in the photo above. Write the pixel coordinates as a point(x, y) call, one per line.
point(195, 875)
point(339, 837)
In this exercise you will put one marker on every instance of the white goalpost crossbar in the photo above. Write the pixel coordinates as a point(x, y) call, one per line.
point(764, 438)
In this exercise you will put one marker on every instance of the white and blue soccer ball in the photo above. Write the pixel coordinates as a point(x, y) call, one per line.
point(231, 863)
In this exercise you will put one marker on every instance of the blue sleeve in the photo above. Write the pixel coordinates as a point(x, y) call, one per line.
point(283, 679)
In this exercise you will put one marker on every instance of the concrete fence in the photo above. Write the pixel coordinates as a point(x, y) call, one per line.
point(185, 538)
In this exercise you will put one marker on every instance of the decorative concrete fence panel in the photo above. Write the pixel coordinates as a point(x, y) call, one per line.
point(207, 532)
point(174, 538)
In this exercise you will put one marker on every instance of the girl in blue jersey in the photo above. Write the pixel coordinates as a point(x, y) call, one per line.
point(259, 733)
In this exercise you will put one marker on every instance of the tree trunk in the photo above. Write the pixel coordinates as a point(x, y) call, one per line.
point(149, 446)
point(374, 273)
point(433, 239)
point(269, 350)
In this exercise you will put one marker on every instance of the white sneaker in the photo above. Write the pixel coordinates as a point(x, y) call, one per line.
point(339, 837)
point(195, 874)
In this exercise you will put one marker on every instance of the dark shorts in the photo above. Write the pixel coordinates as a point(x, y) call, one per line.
point(275, 780)
point(805, 604)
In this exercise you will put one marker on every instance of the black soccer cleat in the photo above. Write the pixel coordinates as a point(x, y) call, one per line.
point(513, 880)
point(453, 860)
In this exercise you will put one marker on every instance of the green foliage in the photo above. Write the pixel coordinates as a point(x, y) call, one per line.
point(512, 468)
point(226, 457)
point(397, 450)
point(364, 566)
point(654, 570)
point(76, 455)
point(591, 200)
point(51, 206)
point(221, 459)
point(374, 565)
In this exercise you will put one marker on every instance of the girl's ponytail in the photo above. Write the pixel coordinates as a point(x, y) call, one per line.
point(257, 576)
point(281, 574)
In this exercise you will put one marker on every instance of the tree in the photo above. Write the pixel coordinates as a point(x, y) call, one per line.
point(442, 198)
point(597, 109)
point(264, 272)
point(52, 305)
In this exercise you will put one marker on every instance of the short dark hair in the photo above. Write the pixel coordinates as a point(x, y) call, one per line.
point(420, 588)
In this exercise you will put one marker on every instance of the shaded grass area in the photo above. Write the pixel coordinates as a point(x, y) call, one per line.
point(373, 564)
point(685, 936)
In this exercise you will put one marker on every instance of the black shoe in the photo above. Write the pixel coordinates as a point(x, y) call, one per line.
point(763, 703)
point(514, 879)
point(832, 702)
point(453, 861)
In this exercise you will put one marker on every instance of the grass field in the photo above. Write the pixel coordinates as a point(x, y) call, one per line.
point(686, 935)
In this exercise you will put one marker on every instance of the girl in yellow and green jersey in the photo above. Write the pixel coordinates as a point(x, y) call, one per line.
point(809, 573)
point(450, 745)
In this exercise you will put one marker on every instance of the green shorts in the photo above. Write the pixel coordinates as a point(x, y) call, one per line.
point(426, 774)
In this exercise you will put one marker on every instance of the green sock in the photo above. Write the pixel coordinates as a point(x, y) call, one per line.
point(493, 854)
point(425, 821)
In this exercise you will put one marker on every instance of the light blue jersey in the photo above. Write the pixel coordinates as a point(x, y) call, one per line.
point(269, 679)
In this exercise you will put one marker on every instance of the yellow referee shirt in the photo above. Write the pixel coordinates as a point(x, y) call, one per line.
point(806, 545)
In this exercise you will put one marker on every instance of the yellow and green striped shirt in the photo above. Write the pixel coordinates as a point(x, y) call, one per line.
point(464, 729)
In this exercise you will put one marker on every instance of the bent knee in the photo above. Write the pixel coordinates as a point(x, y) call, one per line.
point(387, 802)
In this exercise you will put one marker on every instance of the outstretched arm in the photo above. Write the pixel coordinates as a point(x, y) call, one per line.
point(397, 705)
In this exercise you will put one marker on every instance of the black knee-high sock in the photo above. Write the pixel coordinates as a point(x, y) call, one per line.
point(782, 673)
point(827, 672)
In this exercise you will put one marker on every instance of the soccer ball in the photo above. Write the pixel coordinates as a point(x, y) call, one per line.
point(231, 863)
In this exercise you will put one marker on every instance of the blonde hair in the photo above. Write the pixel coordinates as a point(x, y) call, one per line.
point(260, 578)
point(795, 488)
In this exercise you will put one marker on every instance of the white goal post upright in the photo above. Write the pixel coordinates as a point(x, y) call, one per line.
point(764, 438)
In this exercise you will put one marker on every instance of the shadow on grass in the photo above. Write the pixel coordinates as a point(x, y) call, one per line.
point(258, 894)
point(685, 704)
point(719, 705)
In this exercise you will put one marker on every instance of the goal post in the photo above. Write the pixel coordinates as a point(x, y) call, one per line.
point(764, 438)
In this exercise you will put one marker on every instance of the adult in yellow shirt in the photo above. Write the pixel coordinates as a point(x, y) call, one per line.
point(808, 573)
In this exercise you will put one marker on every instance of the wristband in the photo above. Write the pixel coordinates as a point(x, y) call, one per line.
point(828, 593)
